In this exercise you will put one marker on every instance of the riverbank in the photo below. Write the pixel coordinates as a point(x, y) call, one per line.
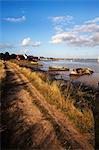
point(70, 123)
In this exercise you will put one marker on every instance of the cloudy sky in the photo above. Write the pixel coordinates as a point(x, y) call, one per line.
point(54, 28)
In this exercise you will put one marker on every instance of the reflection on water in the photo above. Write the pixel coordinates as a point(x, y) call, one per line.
point(88, 79)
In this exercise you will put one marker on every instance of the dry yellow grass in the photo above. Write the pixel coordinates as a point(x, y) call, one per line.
point(2, 71)
point(83, 120)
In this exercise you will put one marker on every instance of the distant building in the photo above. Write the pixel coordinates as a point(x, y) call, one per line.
point(20, 57)
point(27, 57)
point(32, 58)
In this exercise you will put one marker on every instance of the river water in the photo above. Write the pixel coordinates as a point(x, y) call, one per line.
point(91, 80)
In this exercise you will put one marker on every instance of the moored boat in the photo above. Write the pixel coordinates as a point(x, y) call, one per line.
point(81, 71)
point(58, 68)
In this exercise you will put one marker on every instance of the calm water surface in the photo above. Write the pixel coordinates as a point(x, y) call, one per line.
point(87, 79)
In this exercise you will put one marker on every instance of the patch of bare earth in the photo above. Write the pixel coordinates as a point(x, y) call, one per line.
point(33, 121)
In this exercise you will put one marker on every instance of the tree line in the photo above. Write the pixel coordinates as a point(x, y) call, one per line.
point(7, 56)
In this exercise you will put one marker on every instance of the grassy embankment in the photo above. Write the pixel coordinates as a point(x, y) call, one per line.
point(72, 102)
point(2, 75)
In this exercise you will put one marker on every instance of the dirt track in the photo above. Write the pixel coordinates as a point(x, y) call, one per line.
point(30, 122)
